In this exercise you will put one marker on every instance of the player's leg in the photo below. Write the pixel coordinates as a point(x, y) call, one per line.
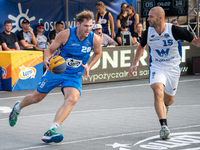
point(171, 86)
point(71, 97)
point(71, 88)
point(158, 81)
point(168, 100)
point(158, 90)
point(35, 97)
point(29, 99)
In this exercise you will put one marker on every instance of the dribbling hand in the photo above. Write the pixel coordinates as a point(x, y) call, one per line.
point(46, 62)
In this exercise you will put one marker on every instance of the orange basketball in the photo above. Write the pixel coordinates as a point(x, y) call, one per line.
point(57, 65)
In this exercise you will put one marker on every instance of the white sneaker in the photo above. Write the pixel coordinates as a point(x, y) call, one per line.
point(164, 132)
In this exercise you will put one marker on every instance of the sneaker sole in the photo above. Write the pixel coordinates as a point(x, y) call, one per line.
point(165, 135)
point(55, 139)
point(11, 114)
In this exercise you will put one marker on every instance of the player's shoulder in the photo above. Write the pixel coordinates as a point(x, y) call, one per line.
point(136, 15)
point(65, 32)
point(20, 32)
point(13, 34)
point(96, 38)
point(63, 36)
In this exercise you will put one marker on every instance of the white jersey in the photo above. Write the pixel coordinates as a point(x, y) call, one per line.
point(163, 49)
point(41, 41)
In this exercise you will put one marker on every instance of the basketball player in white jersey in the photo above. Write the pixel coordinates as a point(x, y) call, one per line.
point(165, 59)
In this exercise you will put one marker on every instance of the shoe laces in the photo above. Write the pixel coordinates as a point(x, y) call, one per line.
point(14, 114)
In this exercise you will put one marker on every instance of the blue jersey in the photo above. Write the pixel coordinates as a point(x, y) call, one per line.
point(76, 52)
point(104, 21)
point(131, 22)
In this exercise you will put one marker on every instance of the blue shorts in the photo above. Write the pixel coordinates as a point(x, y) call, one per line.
point(49, 81)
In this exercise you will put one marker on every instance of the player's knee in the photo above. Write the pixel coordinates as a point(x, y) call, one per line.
point(72, 99)
point(158, 91)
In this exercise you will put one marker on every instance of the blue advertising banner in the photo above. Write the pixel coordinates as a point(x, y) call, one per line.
point(36, 11)
point(50, 11)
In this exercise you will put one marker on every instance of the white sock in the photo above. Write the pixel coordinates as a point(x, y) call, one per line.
point(17, 108)
point(54, 125)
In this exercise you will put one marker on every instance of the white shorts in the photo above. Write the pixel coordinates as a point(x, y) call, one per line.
point(169, 77)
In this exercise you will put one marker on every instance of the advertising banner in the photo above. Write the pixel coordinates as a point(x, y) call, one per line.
point(21, 70)
point(36, 11)
point(115, 62)
point(50, 11)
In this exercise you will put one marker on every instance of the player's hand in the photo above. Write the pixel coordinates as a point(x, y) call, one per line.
point(87, 70)
point(130, 72)
point(196, 41)
point(30, 30)
point(46, 62)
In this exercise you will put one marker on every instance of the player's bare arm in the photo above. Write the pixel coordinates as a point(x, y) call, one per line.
point(112, 25)
point(95, 56)
point(139, 52)
point(196, 41)
point(60, 39)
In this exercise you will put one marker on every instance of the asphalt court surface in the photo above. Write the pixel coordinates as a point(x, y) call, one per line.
point(108, 116)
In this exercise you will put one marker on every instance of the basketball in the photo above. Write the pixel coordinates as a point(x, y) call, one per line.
point(57, 65)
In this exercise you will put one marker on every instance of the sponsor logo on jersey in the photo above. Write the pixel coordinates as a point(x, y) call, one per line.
point(74, 44)
point(166, 35)
point(27, 72)
point(129, 22)
point(154, 39)
point(88, 43)
point(73, 62)
point(153, 75)
point(102, 21)
point(163, 53)
point(43, 83)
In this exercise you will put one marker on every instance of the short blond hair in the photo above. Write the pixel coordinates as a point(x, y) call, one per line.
point(86, 14)
point(101, 4)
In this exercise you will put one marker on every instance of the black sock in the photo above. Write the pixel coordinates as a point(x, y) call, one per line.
point(163, 122)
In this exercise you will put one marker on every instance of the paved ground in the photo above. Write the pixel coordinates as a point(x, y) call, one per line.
point(108, 116)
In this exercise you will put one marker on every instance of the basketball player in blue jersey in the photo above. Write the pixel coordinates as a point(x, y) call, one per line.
point(164, 70)
point(77, 43)
point(105, 18)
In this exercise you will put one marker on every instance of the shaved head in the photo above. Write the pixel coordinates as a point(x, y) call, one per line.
point(156, 17)
point(158, 11)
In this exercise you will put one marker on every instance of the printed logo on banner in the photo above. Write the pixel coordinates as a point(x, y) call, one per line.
point(18, 20)
point(4, 73)
point(27, 72)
